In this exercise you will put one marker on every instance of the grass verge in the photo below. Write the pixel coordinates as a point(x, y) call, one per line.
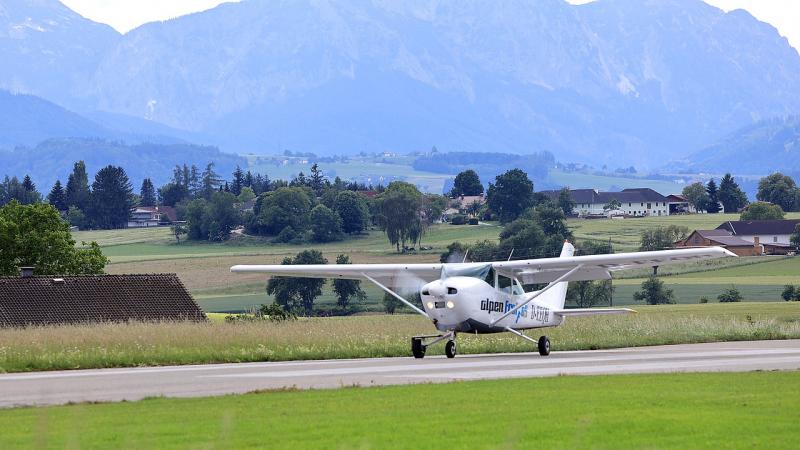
point(146, 344)
point(730, 410)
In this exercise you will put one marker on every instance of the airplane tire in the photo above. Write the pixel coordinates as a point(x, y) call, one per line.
point(417, 349)
point(544, 346)
point(450, 349)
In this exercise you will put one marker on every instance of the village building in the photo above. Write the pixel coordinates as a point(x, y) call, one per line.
point(636, 202)
point(746, 237)
point(29, 300)
point(152, 216)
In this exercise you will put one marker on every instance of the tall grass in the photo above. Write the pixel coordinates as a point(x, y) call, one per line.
point(145, 344)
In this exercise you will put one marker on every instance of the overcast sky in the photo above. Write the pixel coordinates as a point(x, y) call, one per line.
point(125, 15)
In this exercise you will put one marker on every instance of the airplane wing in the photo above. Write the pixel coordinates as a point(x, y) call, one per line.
point(599, 267)
point(544, 270)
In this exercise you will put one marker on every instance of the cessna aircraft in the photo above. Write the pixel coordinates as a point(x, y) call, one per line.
point(457, 298)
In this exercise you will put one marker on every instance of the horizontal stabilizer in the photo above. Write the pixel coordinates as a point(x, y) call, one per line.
point(592, 311)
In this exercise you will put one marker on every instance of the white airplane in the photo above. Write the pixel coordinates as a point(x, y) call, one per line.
point(457, 298)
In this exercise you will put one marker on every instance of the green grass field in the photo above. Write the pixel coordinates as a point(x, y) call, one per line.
point(727, 410)
point(203, 266)
point(147, 344)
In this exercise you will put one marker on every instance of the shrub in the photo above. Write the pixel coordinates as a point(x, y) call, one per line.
point(473, 221)
point(788, 293)
point(458, 219)
point(730, 295)
point(653, 292)
point(704, 299)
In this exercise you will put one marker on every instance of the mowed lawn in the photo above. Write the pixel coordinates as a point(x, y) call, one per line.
point(719, 410)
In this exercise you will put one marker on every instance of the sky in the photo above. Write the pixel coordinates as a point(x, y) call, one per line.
point(124, 15)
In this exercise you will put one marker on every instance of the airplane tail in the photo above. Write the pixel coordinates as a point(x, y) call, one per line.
point(556, 296)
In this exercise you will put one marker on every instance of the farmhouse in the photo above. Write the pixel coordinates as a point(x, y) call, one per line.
point(49, 300)
point(764, 237)
point(633, 202)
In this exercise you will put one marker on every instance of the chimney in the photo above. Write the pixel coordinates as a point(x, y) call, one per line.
point(756, 245)
point(26, 272)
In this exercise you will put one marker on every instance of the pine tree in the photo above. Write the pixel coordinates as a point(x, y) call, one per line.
point(77, 193)
point(112, 198)
point(210, 181)
point(28, 185)
point(732, 197)
point(147, 194)
point(194, 182)
point(238, 181)
point(317, 180)
point(713, 197)
point(57, 198)
point(248, 179)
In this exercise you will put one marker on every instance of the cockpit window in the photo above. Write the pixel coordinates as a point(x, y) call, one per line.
point(452, 290)
point(426, 292)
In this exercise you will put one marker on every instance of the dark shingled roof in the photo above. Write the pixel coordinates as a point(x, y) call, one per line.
point(637, 195)
point(757, 227)
point(50, 300)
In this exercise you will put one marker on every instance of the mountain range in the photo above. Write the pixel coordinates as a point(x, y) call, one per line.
point(619, 82)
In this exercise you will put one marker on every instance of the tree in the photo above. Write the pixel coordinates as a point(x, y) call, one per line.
point(210, 181)
point(238, 181)
point(653, 292)
point(789, 293)
point(246, 195)
point(285, 207)
point(732, 197)
point(353, 210)
point(762, 211)
point(565, 201)
point(171, 194)
point(35, 236)
point(78, 194)
point(661, 238)
point(111, 199)
point(76, 218)
point(713, 197)
point(780, 190)
point(794, 239)
point(510, 195)
point(57, 198)
point(390, 303)
point(466, 183)
point(399, 208)
point(178, 229)
point(346, 290)
point(731, 295)
point(298, 293)
point(317, 180)
point(147, 193)
point(23, 192)
point(696, 194)
point(213, 219)
point(612, 205)
point(326, 225)
point(585, 294)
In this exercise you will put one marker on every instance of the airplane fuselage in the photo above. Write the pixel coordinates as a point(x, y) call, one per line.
point(467, 304)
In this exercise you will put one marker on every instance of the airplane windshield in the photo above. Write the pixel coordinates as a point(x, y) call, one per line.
point(473, 270)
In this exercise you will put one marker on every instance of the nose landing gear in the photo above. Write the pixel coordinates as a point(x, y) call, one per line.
point(418, 344)
point(544, 346)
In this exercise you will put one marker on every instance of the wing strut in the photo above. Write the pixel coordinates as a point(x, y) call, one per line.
point(395, 295)
point(536, 294)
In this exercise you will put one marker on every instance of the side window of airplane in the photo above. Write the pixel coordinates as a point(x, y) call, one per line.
point(426, 292)
point(452, 291)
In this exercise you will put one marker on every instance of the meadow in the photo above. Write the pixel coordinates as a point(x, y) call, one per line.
point(204, 267)
point(150, 344)
point(740, 410)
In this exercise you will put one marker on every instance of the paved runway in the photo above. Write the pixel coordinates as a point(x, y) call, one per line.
point(48, 388)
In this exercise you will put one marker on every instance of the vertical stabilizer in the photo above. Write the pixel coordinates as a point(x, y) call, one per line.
point(557, 295)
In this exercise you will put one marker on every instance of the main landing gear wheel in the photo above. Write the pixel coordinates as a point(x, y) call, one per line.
point(450, 349)
point(417, 349)
point(544, 346)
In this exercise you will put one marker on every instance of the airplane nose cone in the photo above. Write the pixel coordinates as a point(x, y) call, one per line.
point(437, 289)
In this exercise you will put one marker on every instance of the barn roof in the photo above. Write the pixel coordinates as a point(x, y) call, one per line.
point(756, 227)
point(633, 195)
point(48, 300)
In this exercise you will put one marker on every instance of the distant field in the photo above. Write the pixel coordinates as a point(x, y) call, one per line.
point(729, 410)
point(137, 344)
point(605, 183)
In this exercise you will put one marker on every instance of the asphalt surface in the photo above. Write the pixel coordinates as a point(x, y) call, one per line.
point(50, 388)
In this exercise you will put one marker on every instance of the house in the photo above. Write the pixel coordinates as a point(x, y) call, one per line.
point(637, 202)
point(721, 238)
point(746, 237)
point(49, 300)
point(152, 216)
point(462, 205)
